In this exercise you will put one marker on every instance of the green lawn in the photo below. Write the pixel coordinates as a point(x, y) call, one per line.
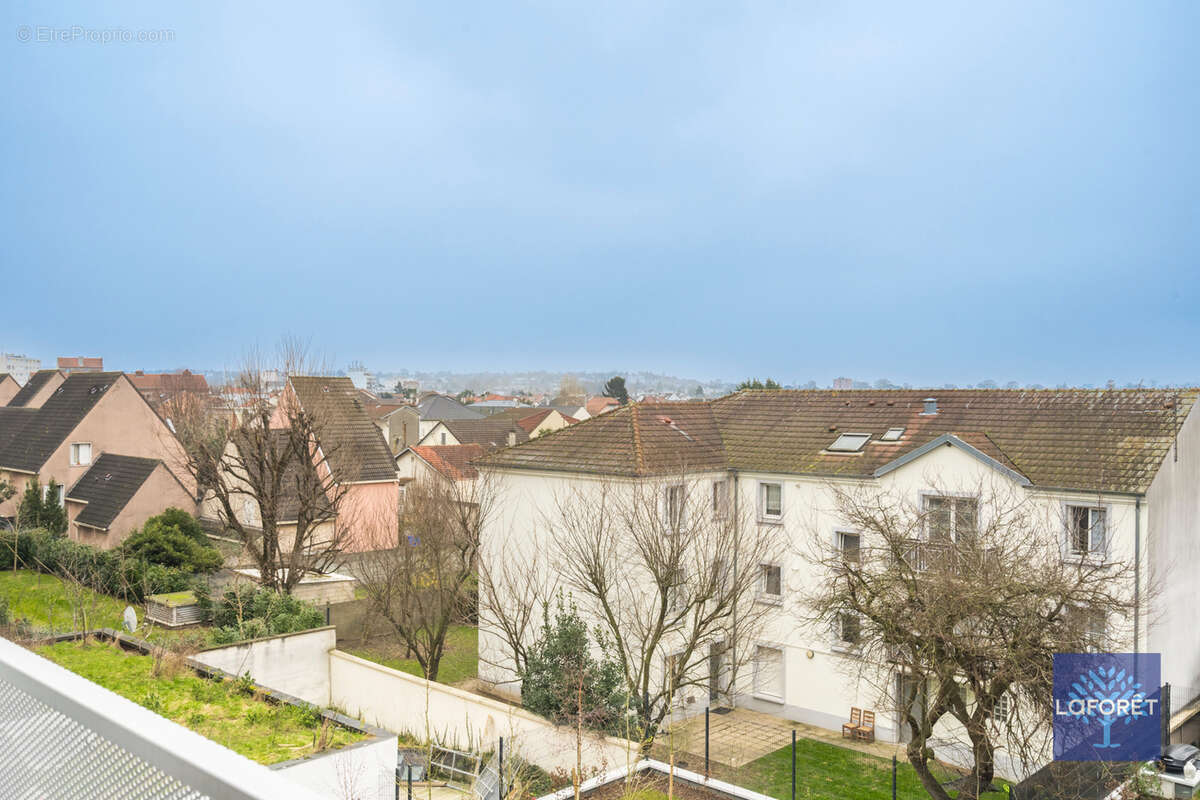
point(52, 606)
point(828, 772)
point(218, 710)
point(460, 661)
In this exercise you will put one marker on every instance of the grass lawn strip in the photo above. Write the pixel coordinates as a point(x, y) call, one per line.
point(459, 662)
point(219, 710)
point(828, 772)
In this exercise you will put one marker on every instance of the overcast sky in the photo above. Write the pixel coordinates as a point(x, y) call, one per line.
point(923, 191)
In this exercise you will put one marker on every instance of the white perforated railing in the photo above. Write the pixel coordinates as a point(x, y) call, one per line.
point(62, 736)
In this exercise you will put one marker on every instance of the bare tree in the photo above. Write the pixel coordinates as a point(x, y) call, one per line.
point(273, 478)
point(953, 607)
point(424, 583)
point(671, 578)
point(511, 595)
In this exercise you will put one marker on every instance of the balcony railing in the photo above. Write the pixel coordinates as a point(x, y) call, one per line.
point(64, 736)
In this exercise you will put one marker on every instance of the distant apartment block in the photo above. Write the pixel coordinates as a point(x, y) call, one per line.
point(842, 384)
point(20, 367)
point(73, 364)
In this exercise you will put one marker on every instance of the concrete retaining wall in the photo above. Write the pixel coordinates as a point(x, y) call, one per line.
point(362, 772)
point(405, 703)
point(295, 663)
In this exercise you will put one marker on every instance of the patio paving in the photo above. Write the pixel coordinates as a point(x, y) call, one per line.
point(742, 736)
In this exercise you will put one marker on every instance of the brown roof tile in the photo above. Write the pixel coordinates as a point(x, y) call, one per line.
point(453, 461)
point(355, 442)
point(1078, 439)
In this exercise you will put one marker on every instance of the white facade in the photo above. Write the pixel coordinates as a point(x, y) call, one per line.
point(19, 366)
point(817, 680)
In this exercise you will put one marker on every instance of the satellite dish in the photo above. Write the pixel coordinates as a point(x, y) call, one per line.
point(130, 619)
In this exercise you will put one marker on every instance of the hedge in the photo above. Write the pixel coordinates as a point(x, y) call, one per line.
point(112, 572)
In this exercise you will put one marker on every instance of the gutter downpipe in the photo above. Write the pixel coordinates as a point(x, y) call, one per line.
point(738, 521)
point(1137, 572)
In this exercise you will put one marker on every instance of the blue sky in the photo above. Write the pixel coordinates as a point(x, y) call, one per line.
point(926, 192)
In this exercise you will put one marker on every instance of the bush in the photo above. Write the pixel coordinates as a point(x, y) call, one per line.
point(112, 572)
point(169, 544)
point(252, 612)
point(560, 661)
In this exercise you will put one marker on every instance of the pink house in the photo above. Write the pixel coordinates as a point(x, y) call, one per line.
point(355, 446)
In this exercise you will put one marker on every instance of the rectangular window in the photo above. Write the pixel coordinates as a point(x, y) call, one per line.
point(770, 501)
point(848, 544)
point(951, 518)
point(770, 584)
point(1000, 710)
point(1086, 530)
point(849, 629)
point(81, 453)
point(768, 672)
point(673, 505)
point(720, 499)
point(677, 591)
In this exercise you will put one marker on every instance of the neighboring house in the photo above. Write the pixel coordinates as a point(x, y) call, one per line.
point(89, 414)
point(160, 387)
point(453, 462)
point(399, 422)
point(356, 449)
point(577, 413)
point(433, 408)
point(72, 365)
point(21, 367)
point(1127, 460)
point(117, 495)
point(8, 388)
point(40, 385)
point(536, 421)
point(490, 432)
point(599, 404)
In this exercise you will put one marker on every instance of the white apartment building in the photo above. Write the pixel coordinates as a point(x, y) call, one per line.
point(20, 367)
point(1123, 462)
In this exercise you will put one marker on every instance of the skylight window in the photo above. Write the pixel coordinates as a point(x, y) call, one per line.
point(892, 435)
point(849, 443)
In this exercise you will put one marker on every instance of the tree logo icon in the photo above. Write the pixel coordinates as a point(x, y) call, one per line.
point(1106, 706)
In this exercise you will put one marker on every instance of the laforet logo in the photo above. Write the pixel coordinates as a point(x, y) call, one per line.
point(1106, 706)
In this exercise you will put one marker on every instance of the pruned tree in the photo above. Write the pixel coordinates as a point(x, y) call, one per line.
point(951, 608)
point(40, 506)
point(424, 583)
point(269, 472)
point(670, 574)
point(615, 388)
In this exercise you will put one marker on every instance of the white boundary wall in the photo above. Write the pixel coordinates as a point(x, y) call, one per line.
point(405, 703)
point(359, 772)
point(293, 663)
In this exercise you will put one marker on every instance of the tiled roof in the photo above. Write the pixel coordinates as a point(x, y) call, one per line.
point(11, 421)
point(599, 404)
point(167, 383)
point(35, 383)
point(453, 461)
point(1077, 439)
point(108, 485)
point(441, 407)
point(355, 443)
point(30, 446)
point(491, 432)
point(526, 417)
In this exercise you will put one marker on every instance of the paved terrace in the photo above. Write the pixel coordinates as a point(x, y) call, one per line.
point(742, 736)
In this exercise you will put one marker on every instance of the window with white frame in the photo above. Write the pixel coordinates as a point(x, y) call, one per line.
point(951, 518)
point(849, 545)
point(768, 672)
point(1001, 709)
point(81, 453)
point(443, 437)
point(677, 590)
point(60, 493)
point(1086, 530)
point(673, 505)
point(770, 582)
point(720, 499)
point(770, 501)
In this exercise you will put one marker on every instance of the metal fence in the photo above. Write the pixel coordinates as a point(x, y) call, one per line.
point(63, 736)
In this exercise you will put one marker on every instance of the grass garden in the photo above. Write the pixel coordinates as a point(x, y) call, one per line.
point(227, 712)
point(460, 662)
point(827, 772)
